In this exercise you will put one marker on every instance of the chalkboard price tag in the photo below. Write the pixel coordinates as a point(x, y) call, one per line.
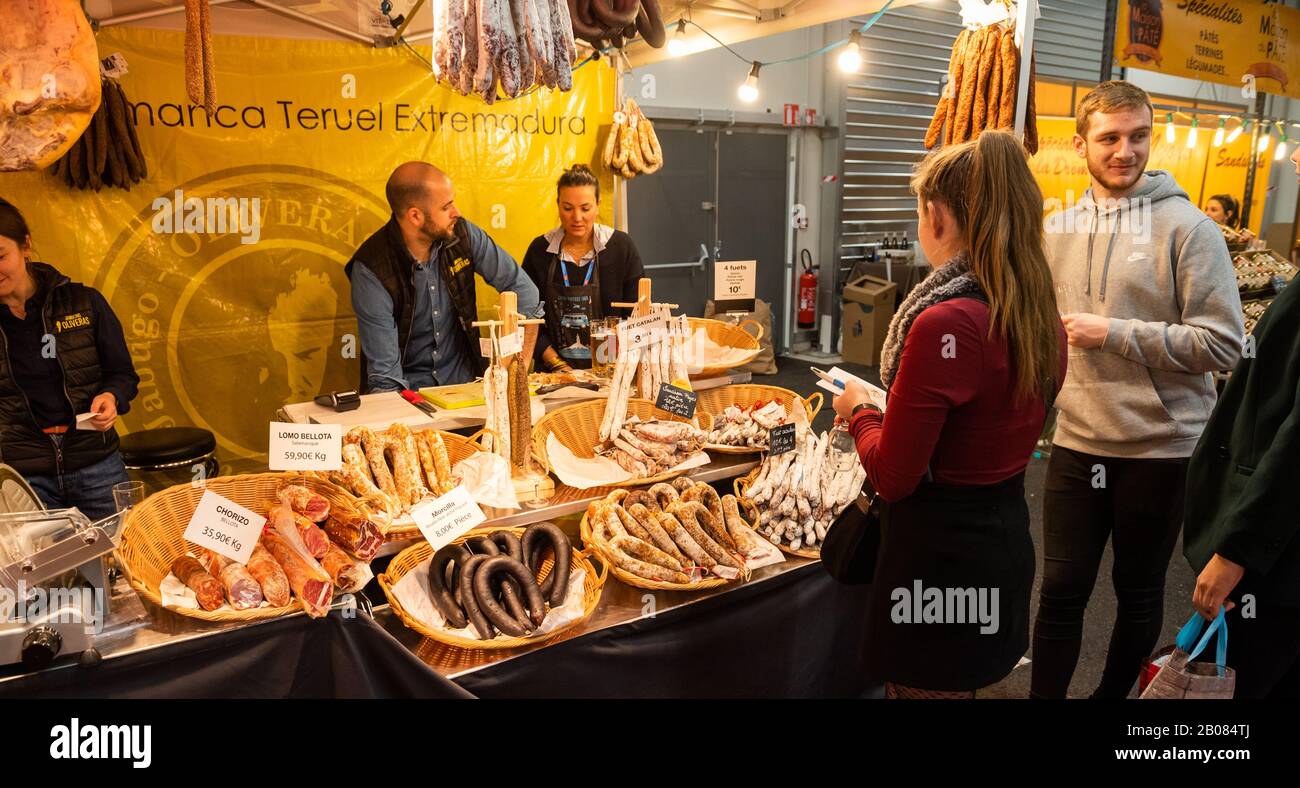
point(780, 439)
point(677, 401)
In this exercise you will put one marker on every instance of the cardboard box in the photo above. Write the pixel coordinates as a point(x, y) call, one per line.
point(868, 308)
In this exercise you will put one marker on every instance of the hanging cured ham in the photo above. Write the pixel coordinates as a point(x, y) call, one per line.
point(49, 81)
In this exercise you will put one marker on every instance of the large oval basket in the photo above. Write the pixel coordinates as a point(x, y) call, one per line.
point(577, 427)
point(728, 335)
point(413, 556)
point(152, 537)
point(743, 395)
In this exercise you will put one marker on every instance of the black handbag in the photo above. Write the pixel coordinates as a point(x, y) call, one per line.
point(852, 543)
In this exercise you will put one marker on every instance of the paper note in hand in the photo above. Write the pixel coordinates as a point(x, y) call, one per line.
point(876, 393)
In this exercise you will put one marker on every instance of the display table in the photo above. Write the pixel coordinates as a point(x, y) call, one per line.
point(790, 631)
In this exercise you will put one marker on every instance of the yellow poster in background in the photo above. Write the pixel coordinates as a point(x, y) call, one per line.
point(226, 327)
point(1224, 41)
point(1202, 170)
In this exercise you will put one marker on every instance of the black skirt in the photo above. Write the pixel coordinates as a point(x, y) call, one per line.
point(949, 606)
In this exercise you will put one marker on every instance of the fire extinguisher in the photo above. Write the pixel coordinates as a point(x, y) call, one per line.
point(807, 292)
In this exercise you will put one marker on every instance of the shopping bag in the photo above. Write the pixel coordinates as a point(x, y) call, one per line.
point(852, 543)
point(1180, 678)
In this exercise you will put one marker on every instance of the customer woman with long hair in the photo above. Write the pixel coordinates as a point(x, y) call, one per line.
point(972, 361)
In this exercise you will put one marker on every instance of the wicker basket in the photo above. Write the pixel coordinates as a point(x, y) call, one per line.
point(577, 427)
point(152, 537)
point(640, 582)
point(740, 485)
point(727, 335)
point(417, 554)
point(743, 395)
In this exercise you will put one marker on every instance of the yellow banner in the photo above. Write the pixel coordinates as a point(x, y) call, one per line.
point(1231, 42)
point(1202, 171)
point(225, 327)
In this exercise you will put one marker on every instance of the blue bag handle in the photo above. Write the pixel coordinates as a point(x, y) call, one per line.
point(1188, 634)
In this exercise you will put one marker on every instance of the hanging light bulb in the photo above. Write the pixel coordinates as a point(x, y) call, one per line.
point(850, 59)
point(1242, 126)
point(1264, 138)
point(1219, 134)
point(748, 91)
point(677, 46)
point(1170, 133)
point(1191, 135)
point(1280, 153)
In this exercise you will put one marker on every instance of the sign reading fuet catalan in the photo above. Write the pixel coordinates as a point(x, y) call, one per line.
point(1247, 43)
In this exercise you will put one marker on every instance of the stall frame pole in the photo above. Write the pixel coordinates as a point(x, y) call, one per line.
point(1025, 32)
point(1253, 166)
point(1108, 40)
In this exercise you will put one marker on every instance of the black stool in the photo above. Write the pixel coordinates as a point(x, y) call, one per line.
point(170, 451)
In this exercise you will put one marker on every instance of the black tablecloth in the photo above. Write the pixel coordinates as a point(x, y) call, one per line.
point(797, 635)
point(297, 657)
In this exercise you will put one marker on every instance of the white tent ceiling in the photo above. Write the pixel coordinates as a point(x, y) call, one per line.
point(730, 20)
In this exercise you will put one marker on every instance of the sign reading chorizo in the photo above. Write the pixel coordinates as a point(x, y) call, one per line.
point(224, 527)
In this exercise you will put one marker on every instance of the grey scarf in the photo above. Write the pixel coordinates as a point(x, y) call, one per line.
point(953, 280)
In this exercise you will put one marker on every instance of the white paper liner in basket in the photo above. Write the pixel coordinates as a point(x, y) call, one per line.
point(582, 473)
point(413, 592)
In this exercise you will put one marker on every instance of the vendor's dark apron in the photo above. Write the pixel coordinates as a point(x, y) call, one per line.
point(571, 310)
point(951, 537)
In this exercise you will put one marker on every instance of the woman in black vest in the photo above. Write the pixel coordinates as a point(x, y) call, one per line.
point(62, 354)
point(580, 268)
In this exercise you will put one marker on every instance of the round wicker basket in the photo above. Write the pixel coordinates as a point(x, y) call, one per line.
point(727, 335)
point(577, 427)
point(743, 395)
point(152, 537)
point(413, 556)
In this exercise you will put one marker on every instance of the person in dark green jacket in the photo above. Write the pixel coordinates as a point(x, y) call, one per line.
point(1240, 524)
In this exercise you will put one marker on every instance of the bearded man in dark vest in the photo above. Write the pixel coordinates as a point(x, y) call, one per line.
point(413, 287)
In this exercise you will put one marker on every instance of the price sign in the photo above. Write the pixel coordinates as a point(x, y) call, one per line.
point(644, 331)
point(512, 343)
point(443, 519)
point(677, 401)
point(733, 285)
point(225, 527)
point(305, 447)
point(780, 439)
point(485, 347)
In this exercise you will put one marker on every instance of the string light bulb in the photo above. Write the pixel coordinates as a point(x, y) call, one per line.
point(1220, 133)
point(1264, 137)
point(1280, 153)
point(1170, 132)
point(850, 59)
point(1191, 135)
point(748, 90)
point(1237, 132)
point(677, 46)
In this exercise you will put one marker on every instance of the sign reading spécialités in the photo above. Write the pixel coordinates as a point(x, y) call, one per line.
point(1226, 41)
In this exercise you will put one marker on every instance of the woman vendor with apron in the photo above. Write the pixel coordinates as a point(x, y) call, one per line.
point(580, 268)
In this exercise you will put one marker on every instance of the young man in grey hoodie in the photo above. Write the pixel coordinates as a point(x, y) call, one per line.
point(1149, 301)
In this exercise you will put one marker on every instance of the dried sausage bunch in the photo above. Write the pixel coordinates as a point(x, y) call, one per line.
point(610, 23)
point(108, 153)
point(509, 415)
point(672, 533)
point(395, 466)
point(983, 75)
point(491, 581)
point(747, 427)
point(479, 45)
point(632, 148)
point(800, 493)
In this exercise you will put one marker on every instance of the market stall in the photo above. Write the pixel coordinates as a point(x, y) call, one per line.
point(220, 183)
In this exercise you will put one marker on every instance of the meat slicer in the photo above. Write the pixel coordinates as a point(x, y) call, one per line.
point(53, 583)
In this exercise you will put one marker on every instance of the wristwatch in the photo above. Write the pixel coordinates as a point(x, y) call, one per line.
point(861, 406)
